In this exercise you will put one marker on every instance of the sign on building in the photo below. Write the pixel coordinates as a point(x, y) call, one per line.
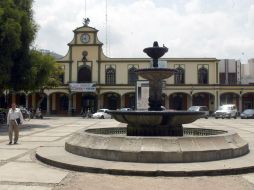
point(82, 87)
point(142, 95)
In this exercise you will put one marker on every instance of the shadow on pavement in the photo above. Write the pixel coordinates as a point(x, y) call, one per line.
point(26, 127)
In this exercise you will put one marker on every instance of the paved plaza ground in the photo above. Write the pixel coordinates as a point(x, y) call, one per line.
point(19, 170)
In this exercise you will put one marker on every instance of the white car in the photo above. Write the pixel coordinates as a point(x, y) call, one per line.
point(226, 111)
point(101, 114)
point(125, 109)
point(200, 108)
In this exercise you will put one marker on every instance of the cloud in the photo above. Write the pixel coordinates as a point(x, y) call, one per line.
point(193, 28)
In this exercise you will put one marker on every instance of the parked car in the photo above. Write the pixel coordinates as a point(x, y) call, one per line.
point(27, 115)
point(37, 114)
point(200, 108)
point(163, 108)
point(3, 118)
point(125, 109)
point(3, 115)
point(248, 113)
point(226, 111)
point(101, 114)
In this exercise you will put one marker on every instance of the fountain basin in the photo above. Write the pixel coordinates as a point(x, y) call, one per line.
point(197, 145)
point(155, 123)
point(156, 118)
point(155, 52)
point(156, 73)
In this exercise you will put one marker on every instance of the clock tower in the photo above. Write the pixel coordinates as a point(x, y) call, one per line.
point(86, 41)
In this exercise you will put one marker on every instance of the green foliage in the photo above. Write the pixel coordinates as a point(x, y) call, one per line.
point(22, 66)
point(9, 39)
point(45, 71)
point(17, 32)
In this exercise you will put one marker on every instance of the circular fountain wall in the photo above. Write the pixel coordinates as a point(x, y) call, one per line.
point(197, 145)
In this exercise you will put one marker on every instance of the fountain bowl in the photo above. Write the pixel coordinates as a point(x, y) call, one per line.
point(154, 118)
point(155, 52)
point(156, 73)
point(155, 123)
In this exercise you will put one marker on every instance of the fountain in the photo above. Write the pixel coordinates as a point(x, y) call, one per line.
point(155, 122)
point(156, 135)
point(153, 136)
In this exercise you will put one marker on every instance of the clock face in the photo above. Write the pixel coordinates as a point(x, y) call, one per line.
point(85, 38)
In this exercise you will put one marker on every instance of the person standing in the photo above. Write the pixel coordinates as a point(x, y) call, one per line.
point(13, 118)
point(89, 113)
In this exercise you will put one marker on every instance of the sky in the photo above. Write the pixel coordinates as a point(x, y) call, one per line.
point(223, 29)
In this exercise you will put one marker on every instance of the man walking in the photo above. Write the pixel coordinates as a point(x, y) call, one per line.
point(14, 118)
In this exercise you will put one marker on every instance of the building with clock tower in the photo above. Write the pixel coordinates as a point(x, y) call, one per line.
point(92, 81)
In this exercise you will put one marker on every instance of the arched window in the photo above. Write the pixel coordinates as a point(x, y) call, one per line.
point(110, 75)
point(203, 76)
point(179, 76)
point(132, 76)
point(84, 75)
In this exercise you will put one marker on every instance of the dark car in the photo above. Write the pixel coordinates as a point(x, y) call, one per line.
point(3, 115)
point(248, 113)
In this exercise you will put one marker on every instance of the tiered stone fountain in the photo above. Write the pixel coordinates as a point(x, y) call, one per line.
point(156, 136)
point(155, 122)
point(154, 142)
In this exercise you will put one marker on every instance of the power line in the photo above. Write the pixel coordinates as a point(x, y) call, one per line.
point(106, 17)
point(107, 30)
point(85, 8)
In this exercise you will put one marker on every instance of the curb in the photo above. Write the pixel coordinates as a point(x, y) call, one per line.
point(151, 173)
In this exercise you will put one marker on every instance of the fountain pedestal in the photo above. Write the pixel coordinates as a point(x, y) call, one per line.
point(155, 77)
point(155, 100)
point(133, 130)
point(155, 123)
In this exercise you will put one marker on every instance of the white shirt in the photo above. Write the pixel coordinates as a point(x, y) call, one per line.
point(14, 114)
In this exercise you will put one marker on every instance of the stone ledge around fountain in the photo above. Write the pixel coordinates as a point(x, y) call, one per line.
point(184, 149)
point(59, 157)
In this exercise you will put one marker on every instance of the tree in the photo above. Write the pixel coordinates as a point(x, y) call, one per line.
point(45, 73)
point(22, 66)
point(17, 32)
point(10, 42)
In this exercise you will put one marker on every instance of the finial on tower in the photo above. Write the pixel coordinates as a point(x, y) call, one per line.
point(86, 21)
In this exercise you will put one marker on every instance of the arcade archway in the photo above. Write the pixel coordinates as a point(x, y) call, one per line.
point(111, 100)
point(203, 99)
point(229, 98)
point(248, 101)
point(129, 100)
point(179, 101)
point(59, 103)
point(84, 101)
